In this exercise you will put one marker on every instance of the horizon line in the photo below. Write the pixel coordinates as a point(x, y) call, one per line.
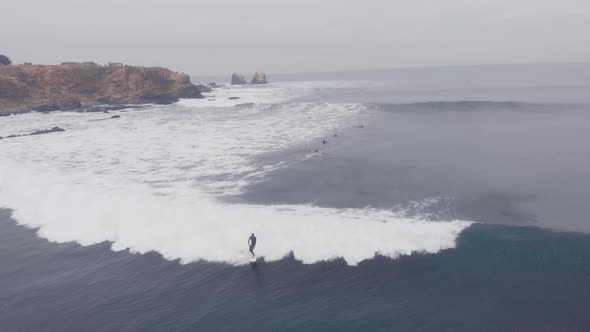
point(406, 68)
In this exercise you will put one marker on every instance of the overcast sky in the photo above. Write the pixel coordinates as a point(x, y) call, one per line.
point(203, 37)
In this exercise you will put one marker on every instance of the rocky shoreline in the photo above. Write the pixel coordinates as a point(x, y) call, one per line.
point(89, 88)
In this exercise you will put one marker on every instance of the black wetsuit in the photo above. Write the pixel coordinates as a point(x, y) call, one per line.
point(252, 242)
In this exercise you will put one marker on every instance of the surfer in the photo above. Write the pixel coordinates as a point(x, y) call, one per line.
point(252, 243)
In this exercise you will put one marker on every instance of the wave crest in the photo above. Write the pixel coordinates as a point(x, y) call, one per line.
point(190, 230)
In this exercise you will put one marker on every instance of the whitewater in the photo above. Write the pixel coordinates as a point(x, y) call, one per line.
point(155, 179)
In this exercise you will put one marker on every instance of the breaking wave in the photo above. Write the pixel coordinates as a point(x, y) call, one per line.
point(192, 229)
point(149, 181)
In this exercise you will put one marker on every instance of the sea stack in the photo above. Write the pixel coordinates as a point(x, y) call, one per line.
point(259, 78)
point(237, 79)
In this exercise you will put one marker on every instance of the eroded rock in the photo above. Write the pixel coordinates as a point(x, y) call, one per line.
point(259, 78)
point(204, 88)
point(237, 79)
point(47, 131)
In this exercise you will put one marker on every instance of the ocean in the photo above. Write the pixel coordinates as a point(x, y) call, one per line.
point(418, 199)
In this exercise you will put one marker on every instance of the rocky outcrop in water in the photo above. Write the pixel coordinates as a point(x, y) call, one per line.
point(38, 132)
point(237, 79)
point(68, 87)
point(47, 131)
point(259, 78)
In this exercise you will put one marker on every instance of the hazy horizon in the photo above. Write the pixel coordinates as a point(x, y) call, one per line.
point(215, 38)
point(318, 75)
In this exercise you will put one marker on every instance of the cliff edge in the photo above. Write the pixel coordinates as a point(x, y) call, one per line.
point(44, 87)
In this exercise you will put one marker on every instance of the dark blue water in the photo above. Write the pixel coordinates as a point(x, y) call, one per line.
point(499, 278)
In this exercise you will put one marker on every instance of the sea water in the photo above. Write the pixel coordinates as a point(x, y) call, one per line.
point(398, 200)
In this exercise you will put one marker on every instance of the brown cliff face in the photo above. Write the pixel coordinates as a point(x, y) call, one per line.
point(27, 87)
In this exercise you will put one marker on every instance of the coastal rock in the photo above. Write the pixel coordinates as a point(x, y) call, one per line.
point(213, 85)
point(55, 107)
point(204, 88)
point(188, 91)
point(47, 131)
point(66, 87)
point(38, 132)
point(259, 78)
point(237, 79)
point(104, 108)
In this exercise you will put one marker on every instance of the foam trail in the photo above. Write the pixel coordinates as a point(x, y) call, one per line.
point(137, 219)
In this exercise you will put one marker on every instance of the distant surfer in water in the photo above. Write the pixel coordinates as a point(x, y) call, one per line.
point(252, 243)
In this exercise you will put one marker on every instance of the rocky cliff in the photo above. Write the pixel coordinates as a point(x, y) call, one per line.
point(33, 87)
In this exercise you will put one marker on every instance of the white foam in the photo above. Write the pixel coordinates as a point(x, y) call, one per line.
point(248, 94)
point(148, 182)
point(265, 94)
point(192, 228)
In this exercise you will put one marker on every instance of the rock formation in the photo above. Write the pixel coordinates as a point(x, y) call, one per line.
point(38, 132)
point(259, 78)
point(204, 88)
point(47, 131)
point(237, 79)
point(66, 87)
